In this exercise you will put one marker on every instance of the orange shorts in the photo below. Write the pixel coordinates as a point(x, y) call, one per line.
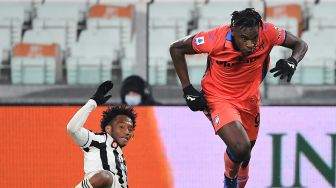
point(222, 112)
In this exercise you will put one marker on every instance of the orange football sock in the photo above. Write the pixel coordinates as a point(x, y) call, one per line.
point(231, 168)
point(243, 176)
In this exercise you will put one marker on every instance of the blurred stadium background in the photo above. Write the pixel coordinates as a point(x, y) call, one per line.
point(55, 52)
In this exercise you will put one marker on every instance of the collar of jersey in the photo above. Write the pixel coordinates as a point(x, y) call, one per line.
point(229, 36)
point(228, 40)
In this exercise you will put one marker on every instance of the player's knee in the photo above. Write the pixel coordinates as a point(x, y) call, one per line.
point(246, 162)
point(106, 178)
point(102, 179)
point(242, 151)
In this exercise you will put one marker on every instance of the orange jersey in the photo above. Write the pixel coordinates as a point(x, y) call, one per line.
point(230, 75)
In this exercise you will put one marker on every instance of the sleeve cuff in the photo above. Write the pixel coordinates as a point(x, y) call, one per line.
point(283, 42)
point(91, 104)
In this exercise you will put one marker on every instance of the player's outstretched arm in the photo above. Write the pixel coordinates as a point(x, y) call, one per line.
point(75, 126)
point(286, 67)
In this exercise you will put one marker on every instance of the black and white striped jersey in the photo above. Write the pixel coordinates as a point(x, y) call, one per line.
point(102, 152)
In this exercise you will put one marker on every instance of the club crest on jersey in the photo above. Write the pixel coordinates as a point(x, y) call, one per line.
point(217, 119)
point(114, 144)
point(199, 40)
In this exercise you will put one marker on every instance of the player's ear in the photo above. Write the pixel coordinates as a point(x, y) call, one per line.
point(132, 136)
point(108, 129)
point(232, 32)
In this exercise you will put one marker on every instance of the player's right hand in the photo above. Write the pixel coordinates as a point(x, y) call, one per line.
point(195, 101)
point(102, 90)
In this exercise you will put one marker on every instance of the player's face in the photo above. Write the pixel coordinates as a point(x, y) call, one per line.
point(246, 39)
point(122, 129)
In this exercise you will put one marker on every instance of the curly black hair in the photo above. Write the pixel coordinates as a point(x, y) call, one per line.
point(246, 18)
point(113, 111)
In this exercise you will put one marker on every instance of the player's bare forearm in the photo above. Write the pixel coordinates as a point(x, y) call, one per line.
point(178, 50)
point(298, 46)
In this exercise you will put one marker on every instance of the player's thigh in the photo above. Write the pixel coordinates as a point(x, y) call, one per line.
point(236, 138)
point(226, 120)
point(221, 113)
point(251, 123)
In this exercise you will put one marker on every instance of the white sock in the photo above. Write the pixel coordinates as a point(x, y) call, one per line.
point(84, 184)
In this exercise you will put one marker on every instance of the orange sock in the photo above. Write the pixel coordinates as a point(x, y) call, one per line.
point(231, 168)
point(243, 176)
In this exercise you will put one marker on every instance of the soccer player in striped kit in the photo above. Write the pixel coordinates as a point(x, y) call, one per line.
point(238, 61)
point(104, 163)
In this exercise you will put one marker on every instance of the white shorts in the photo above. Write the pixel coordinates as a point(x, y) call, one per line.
point(114, 184)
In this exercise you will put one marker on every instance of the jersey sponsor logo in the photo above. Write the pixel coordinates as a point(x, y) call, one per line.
point(191, 98)
point(199, 40)
point(224, 63)
point(217, 121)
point(231, 64)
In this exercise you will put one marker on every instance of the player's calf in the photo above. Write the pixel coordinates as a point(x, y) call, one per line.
point(243, 176)
point(233, 161)
point(232, 166)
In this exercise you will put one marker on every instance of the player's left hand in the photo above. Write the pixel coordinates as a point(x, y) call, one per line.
point(102, 90)
point(285, 67)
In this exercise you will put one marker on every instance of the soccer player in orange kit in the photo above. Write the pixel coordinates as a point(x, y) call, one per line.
point(238, 60)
